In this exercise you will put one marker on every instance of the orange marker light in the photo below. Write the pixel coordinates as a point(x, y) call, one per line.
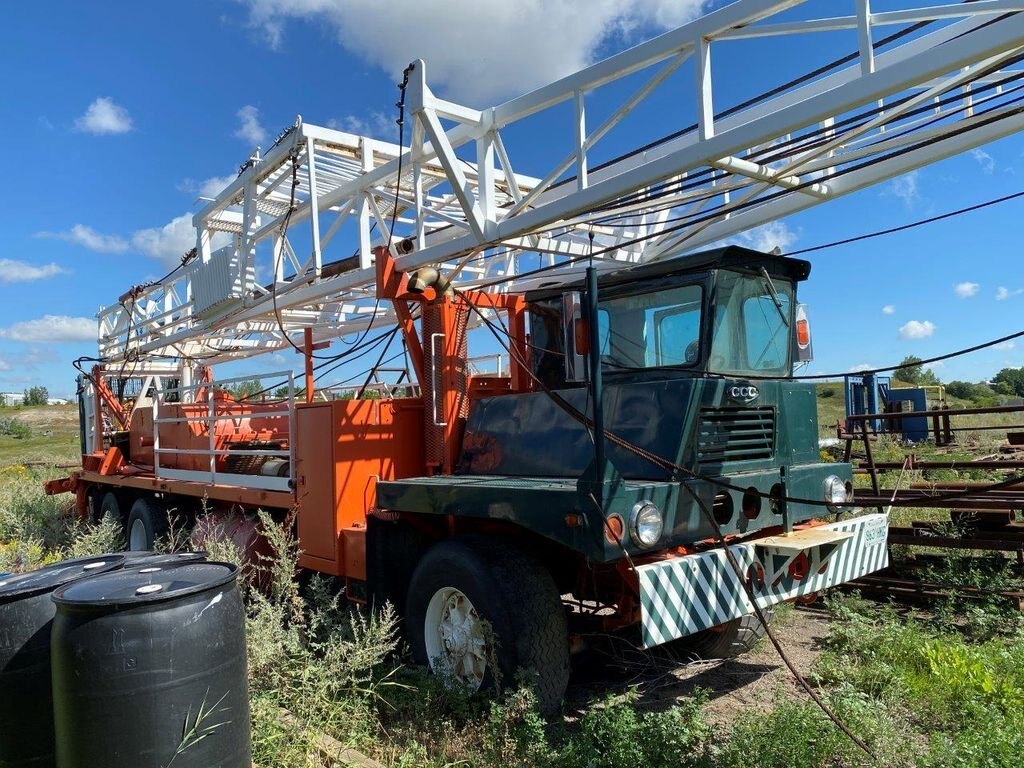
point(803, 332)
point(614, 529)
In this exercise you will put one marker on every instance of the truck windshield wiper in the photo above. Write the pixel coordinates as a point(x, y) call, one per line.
point(775, 296)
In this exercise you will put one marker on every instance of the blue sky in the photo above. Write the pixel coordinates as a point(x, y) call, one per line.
point(116, 116)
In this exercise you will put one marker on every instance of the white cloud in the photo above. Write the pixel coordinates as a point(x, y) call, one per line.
point(966, 289)
point(208, 188)
point(477, 50)
point(1003, 293)
point(934, 366)
point(862, 367)
point(888, 309)
point(12, 271)
point(917, 329)
point(4, 365)
point(1011, 344)
point(104, 117)
point(87, 237)
point(168, 243)
point(905, 188)
point(249, 128)
point(985, 160)
point(767, 237)
point(52, 329)
point(377, 126)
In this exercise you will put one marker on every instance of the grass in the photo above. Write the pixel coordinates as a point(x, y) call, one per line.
point(944, 688)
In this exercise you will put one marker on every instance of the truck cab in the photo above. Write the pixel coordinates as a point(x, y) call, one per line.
point(710, 443)
point(697, 357)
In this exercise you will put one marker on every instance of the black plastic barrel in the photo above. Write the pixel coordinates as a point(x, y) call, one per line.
point(26, 613)
point(149, 667)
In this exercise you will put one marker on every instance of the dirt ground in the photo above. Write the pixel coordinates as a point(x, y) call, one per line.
point(660, 677)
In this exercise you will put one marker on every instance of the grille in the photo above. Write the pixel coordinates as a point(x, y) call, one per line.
point(735, 434)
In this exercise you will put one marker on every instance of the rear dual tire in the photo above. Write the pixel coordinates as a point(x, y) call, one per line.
point(147, 523)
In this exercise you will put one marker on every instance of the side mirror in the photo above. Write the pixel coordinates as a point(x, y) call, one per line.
point(575, 338)
point(803, 352)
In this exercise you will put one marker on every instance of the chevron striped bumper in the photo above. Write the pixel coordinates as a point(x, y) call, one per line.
point(688, 594)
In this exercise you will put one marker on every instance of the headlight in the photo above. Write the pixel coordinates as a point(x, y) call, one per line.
point(645, 524)
point(837, 492)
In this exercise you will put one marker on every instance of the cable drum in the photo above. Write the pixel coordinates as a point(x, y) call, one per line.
point(149, 668)
point(26, 614)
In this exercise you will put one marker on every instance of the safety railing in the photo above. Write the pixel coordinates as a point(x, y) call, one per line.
point(212, 452)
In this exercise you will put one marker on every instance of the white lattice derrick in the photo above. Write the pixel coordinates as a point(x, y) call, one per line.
point(457, 193)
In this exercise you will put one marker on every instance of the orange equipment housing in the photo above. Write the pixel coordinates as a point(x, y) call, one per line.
point(343, 447)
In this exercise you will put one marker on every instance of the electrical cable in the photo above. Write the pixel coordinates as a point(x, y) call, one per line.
point(911, 225)
point(732, 209)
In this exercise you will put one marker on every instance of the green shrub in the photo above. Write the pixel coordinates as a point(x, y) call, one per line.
point(615, 735)
point(994, 741)
point(12, 427)
point(89, 538)
point(325, 664)
point(513, 732)
point(793, 733)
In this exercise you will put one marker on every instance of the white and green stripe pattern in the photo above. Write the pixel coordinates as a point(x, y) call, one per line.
point(695, 592)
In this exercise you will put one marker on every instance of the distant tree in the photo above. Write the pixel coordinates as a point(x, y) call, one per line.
point(247, 388)
point(1011, 379)
point(281, 392)
point(910, 370)
point(915, 373)
point(1002, 388)
point(961, 389)
point(36, 396)
point(979, 393)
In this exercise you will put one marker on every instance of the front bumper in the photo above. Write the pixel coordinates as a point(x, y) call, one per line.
point(688, 594)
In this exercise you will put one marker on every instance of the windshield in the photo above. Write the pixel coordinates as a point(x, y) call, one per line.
point(752, 325)
point(650, 330)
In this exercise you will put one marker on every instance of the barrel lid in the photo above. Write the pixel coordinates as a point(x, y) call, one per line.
point(143, 559)
point(146, 584)
point(50, 577)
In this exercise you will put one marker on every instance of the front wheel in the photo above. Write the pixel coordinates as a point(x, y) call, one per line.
point(478, 613)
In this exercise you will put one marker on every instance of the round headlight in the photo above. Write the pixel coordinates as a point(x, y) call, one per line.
point(836, 492)
point(645, 524)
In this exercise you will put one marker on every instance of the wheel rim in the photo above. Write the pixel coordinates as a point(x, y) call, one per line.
point(453, 633)
point(137, 539)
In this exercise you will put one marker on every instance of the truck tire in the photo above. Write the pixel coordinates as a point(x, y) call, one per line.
point(109, 505)
point(732, 639)
point(459, 588)
point(147, 522)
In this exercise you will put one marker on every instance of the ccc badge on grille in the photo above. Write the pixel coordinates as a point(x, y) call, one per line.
point(743, 393)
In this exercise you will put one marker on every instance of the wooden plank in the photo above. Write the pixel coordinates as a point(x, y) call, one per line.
point(330, 748)
point(800, 541)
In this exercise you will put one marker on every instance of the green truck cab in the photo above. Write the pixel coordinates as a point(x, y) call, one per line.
point(696, 357)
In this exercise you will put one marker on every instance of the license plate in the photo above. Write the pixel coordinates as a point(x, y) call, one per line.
point(876, 532)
